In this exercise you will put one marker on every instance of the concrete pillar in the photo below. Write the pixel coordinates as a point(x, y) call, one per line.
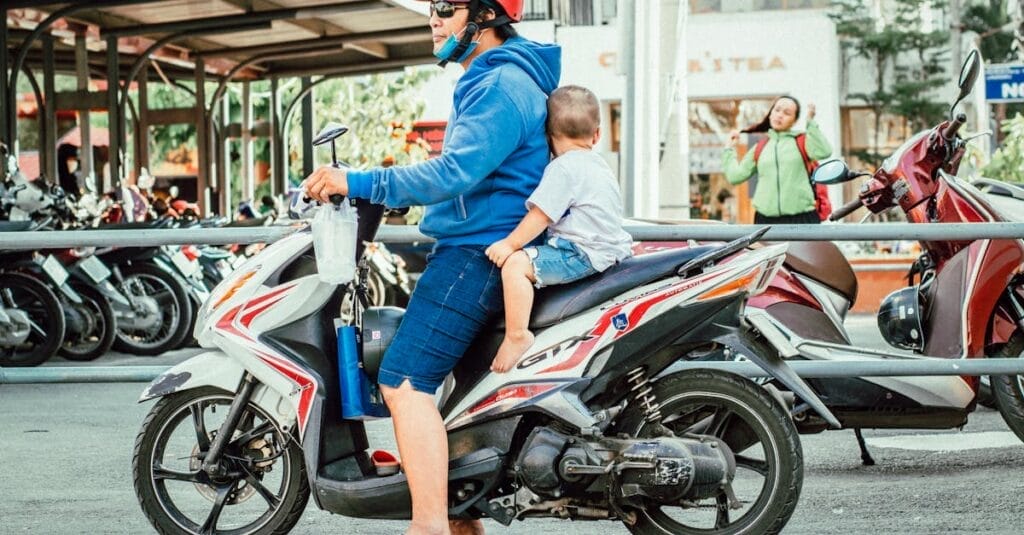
point(674, 189)
point(10, 98)
point(202, 139)
point(49, 140)
point(307, 130)
point(278, 177)
point(142, 129)
point(224, 178)
point(248, 184)
point(643, 106)
point(117, 124)
point(85, 151)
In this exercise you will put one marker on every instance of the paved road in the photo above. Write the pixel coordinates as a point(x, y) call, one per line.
point(65, 467)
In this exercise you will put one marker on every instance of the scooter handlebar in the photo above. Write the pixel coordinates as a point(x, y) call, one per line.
point(951, 129)
point(846, 209)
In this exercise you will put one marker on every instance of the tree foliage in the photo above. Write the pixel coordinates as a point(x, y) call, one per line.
point(1007, 163)
point(907, 59)
point(378, 110)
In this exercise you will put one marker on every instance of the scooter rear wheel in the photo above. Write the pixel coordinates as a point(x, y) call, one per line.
point(263, 491)
point(1009, 389)
point(761, 435)
point(97, 333)
point(173, 306)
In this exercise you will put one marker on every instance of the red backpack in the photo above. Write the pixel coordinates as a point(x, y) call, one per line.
point(822, 204)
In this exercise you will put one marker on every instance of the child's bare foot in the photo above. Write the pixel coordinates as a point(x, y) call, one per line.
point(512, 349)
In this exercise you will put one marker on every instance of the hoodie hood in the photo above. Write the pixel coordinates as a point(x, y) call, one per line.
point(541, 62)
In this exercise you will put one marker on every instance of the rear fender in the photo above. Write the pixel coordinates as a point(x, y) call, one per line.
point(217, 370)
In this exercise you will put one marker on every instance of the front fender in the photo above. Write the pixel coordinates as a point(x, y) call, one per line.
point(212, 368)
point(215, 369)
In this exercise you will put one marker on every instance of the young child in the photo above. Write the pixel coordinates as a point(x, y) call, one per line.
point(578, 203)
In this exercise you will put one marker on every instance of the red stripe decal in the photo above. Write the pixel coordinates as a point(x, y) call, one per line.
point(251, 314)
point(640, 310)
point(307, 384)
point(587, 347)
point(307, 387)
point(268, 295)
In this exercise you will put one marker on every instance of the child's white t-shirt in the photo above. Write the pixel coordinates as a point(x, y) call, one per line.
point(581, 196)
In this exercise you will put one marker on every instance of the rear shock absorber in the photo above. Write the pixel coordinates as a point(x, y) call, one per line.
point(643, 394)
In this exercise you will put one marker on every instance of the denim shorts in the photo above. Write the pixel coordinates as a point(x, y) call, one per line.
point(457, 295)
point(558, 261)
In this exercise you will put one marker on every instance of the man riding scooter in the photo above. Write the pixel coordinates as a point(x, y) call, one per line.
point(494, 153)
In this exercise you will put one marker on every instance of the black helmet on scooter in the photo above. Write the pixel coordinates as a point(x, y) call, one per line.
point(899, 319)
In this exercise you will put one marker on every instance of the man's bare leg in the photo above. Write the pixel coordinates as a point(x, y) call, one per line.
point(517, 280)
point(423, 445)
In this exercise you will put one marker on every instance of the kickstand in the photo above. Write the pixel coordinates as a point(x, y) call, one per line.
point(865, 455)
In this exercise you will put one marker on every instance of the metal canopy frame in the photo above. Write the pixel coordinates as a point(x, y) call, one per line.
point(125, 49)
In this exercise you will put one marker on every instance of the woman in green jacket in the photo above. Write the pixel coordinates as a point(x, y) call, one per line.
point(784, 194)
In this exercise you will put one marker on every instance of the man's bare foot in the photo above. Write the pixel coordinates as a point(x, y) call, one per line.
point(512, 349)
point(466, 527)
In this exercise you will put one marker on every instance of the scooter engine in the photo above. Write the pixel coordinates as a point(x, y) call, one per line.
point(668, 469)
point(663, 469)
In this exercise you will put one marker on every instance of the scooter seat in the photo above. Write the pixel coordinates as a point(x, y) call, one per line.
point(15, 226)
point(825, 263)
point(556, 303)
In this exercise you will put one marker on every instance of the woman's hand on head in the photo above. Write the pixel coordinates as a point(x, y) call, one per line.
point(499, 252)
point(734, 138)
point(810, 111)
point(326, 181)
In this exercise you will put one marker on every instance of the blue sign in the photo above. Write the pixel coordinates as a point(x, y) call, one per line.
point(1004, 82)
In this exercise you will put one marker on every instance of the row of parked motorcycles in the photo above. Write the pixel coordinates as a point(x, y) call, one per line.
point(80, 302)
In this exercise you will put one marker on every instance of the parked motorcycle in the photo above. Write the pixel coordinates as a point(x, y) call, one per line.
point(244, 434)
point(967, 303)
point(31, 319)
point(86, 322)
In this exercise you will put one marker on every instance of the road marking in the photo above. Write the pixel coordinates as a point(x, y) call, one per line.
point(949, 441)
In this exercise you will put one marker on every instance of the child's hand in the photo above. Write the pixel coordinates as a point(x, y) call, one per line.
point(499, 251)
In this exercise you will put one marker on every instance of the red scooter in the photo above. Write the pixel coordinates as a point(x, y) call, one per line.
point(967, 303)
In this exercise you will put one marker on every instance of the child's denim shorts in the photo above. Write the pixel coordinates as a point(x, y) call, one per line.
point(558, 261)
point(459, 292)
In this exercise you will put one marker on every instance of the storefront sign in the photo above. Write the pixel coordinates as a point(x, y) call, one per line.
point(1004, 82)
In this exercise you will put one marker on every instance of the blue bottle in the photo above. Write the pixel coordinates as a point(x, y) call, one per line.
point(361, 398)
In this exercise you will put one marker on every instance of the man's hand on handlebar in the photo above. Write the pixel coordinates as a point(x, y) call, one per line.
point(326, 181)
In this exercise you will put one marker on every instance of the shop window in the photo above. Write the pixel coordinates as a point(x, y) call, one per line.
point(861, 138)
point(711, 121)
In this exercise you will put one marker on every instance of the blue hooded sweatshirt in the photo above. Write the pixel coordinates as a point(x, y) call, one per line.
point(495, 150)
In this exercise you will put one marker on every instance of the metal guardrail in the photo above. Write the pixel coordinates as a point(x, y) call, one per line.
point(806, 369)
point(409, 234)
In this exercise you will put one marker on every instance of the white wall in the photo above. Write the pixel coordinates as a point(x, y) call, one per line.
point(729, 55)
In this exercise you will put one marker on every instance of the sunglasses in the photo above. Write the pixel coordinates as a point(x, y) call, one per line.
point(445, 10)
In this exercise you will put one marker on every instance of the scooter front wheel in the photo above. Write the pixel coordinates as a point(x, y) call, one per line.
point(763, 493)
point(260, 489)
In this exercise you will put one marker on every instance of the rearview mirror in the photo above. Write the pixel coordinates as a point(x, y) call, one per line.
point(330, 132)
point(831, 172)
point(968, 76)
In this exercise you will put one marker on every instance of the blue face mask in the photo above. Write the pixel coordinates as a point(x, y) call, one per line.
point(449, 47)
